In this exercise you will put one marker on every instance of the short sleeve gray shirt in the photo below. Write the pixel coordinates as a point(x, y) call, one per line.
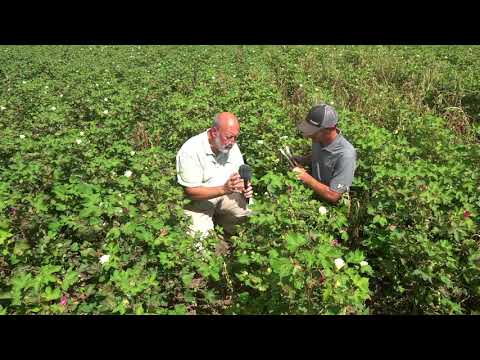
point(334, 165)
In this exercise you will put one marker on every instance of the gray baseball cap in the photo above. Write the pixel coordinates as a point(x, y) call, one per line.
point(320, 116)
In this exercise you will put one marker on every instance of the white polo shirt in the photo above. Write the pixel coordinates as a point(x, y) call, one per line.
point(197, 164)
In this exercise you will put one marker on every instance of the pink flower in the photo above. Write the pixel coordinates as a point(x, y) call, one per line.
point(466, 214)
point(63, 301)
point(335, 242)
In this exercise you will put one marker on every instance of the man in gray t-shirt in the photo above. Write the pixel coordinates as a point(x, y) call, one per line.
point(333, 158)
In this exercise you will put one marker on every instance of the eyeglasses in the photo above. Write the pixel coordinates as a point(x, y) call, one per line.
point(230, 139)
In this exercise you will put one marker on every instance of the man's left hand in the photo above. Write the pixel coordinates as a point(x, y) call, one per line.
point(248, 192)
point(302, 174)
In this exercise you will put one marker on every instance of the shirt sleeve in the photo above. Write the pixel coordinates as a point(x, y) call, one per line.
point(189, 170)
point(343, 174)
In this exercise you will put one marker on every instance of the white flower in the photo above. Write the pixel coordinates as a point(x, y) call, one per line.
point(132, 153)
point(199, 247)
point(108, 82)
point(22, 136)
point(104, 259)
point(53, 108)
point(339, 263)
point(105, 99)
point(105, 112)
point(3, 108)
point(260, 142)
point(316, 89)
point(322, 210)
point(96, 85)
point(78, 141)
point(61, 95)
point(301, 85)
point(46, 87)
point(213, 77)
point(128, 173)
point(24, 82)
point(363, 263)
point(332, 103)
point(81, 133)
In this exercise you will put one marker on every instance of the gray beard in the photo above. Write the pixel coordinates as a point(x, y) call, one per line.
point(221, 148)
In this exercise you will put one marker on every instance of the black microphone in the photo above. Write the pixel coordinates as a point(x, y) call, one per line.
point(245, 172)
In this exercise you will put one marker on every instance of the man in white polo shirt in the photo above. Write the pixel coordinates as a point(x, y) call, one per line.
point(207, 166)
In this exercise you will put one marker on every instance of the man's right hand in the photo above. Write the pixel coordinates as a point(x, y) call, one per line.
point(234, 184)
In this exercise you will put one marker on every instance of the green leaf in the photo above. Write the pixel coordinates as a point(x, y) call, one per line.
point(145, 180)
point(69, 279)
point(379, 219)
point(156, 224)
point(50, 294)
point(281, 266)
point(187, 279)
point(39, 203)
point(244, 259)
point(4, 235)
point(180, 309)
point(46, 273)
point(129, 228)
point(354, 257)
point(139, 310)
point(114, 233)
point(294, 241)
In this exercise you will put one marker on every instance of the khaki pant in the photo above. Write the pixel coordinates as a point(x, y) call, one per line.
point(227, 211)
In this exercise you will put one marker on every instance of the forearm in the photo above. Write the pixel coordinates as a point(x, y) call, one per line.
point(322, 190)
point(205, 193)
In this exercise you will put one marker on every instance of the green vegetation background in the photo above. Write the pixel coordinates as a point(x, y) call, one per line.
point(74, 119)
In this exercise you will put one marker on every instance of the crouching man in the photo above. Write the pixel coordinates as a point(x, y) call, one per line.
point(207, 166)
point(333, 158)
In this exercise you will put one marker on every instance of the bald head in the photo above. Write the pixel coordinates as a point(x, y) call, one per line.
point(224, 132)
point(226, 121)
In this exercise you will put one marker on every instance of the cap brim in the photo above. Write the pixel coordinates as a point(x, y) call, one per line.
point(306, 128)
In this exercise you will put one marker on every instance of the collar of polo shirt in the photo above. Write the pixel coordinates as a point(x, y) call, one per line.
point(206, 145)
